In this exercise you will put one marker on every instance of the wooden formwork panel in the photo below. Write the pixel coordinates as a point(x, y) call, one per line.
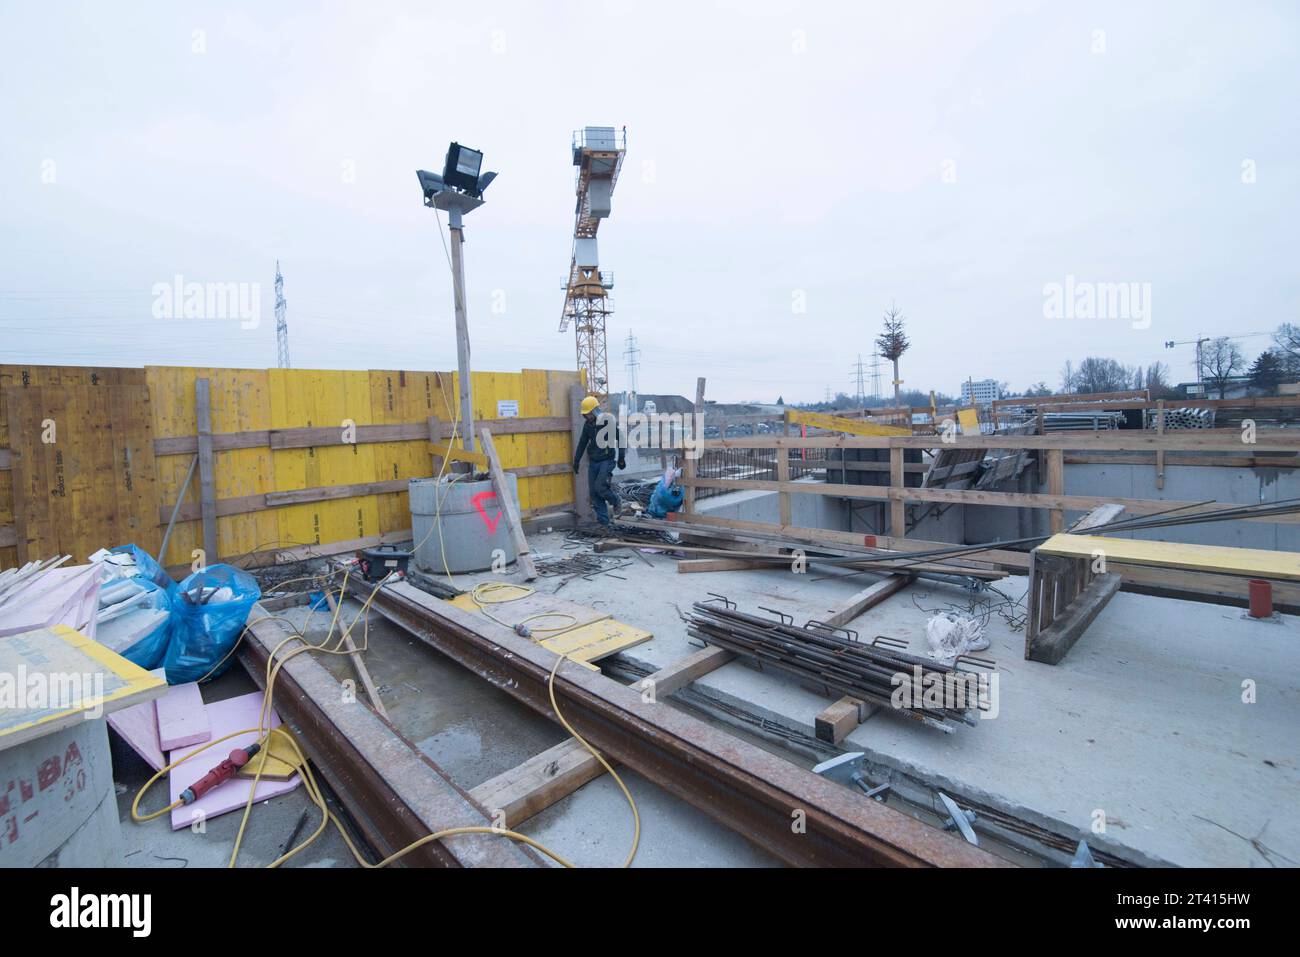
point(400, 396)
point(241, 401)
point(83, 475)
point(251, 401)
point(328, 399)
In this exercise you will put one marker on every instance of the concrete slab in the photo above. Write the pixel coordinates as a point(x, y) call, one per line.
point(1143, 726)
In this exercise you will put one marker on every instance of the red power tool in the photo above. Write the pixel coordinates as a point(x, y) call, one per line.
point(224, 771)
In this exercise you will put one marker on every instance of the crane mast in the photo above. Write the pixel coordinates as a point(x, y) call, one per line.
point(598, 154)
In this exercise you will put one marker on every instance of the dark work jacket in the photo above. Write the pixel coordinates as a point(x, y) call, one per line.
point(587, 443)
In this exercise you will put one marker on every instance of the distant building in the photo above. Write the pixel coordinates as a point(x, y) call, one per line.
point(979, 392)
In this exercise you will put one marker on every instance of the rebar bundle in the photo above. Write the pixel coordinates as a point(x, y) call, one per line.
point(834, 660)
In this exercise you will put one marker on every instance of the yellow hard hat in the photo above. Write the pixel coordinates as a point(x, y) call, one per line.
point(589, 404)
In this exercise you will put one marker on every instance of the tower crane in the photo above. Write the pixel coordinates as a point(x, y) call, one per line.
point(1199, 342)
point(598, 154)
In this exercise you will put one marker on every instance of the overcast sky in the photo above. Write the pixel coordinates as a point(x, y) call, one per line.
point(792, 168)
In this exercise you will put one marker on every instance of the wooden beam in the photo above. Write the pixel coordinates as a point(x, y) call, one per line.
point(359, 663)
point(867, 598)
point(1077, 503)
point(838, 721)
point(319, 436)
point(783, 475)
point(509, 507)
point(689, 565)
point(207, 495)
point(1160, 454)
point(541, 781)
point(1116, 440)
point(897, 508)
point(1218, 559)
point(514, 796)
point(1056, 486)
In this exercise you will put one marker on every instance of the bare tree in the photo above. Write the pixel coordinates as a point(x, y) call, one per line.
point(1158, 381)
point(1069, 378)
point(892, 343)
point(1102, 375)
point(1221, 359)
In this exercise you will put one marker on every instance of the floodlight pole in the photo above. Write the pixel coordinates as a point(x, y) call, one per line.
point(455, 226)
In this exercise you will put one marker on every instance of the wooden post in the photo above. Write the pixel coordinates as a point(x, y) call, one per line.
point(783, 476)
point(897, 507)
point(1160, 453)
point(1056, 485)
point(691, 463)
point(207, 494)
point(508, 507)
point(581, 488)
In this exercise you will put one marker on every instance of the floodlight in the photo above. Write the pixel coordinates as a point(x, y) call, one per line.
point(462, 168)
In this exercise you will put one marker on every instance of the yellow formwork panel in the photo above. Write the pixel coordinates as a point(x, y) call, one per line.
point(307, 398)
point(1217, 559)
point(33, 376)
point(397, 397)
point(241, 402)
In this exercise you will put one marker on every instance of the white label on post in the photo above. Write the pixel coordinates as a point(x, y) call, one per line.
point(507, 408)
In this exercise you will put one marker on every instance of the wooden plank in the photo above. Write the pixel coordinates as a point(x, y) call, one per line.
point(312, 436)
point(1101, 515)
point(836, 423)
point(691, 565)
point(1116, 440)
point(514, 796)
point(358, 662)
point(541, 781)
point(207, 495)
point(1079, 503)
point(867, 598)
point(1053, 642)
point(1220, 559)
point(514, 525)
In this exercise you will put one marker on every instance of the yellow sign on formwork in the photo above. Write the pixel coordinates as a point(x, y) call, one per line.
point(969, 421)
point(835, 423)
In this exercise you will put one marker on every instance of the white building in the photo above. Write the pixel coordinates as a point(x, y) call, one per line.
point(980, 392)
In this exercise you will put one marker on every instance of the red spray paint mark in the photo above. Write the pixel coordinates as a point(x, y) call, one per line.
point(490, 522)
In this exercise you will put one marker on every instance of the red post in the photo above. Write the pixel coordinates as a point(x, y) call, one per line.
point(1261, 598)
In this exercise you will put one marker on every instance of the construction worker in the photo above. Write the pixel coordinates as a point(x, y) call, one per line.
point(604, 444)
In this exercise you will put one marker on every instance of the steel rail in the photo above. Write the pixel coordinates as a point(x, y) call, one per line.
point(794, 814)
point(393, 792)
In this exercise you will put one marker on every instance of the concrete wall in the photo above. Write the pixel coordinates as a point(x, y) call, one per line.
point(806, 511)
point(978, 524)
point(1185, 483)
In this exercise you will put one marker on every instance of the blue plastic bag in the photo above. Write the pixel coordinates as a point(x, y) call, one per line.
point(145, 566)
point(203, 633)
point(148, 651)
